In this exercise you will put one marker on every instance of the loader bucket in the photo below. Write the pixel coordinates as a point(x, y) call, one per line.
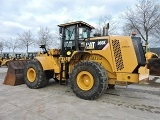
point(14, 74)
point(154, 66)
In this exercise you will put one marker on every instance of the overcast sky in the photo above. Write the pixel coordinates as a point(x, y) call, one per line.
point(18, 16)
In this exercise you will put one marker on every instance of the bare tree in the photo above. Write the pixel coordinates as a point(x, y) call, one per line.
point(12, 44)
point(156, 33)
point(26, 39)
point(127, 29)
point(103, 22)
point(144, 17)
point(45, 36)
point(56, 39)
point(1, 46)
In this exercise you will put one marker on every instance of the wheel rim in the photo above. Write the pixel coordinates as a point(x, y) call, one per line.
point(31, 74)
point(85, 80)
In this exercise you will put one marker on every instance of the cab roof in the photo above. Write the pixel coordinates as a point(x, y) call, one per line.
point(76, 22)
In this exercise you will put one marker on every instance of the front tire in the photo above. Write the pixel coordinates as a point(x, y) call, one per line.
point(34, 75)
point(88, 80)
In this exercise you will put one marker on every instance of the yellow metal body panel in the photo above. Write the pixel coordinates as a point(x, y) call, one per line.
point(120, 52)
point(49, 63)
point(127, 61)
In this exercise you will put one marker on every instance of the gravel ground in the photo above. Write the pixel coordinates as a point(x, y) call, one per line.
point(58, 102)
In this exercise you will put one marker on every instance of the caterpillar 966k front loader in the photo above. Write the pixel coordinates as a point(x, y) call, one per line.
point(91, 64)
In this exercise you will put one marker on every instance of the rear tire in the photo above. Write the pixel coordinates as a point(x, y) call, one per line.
point(89, 80)
point(34, 75)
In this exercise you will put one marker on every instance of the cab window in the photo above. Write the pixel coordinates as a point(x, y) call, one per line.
point(70, 33)
point(83, 33)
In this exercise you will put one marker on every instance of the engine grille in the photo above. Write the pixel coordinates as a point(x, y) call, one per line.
point(117, 55)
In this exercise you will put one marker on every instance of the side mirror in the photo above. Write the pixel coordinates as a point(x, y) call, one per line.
point(60, 30)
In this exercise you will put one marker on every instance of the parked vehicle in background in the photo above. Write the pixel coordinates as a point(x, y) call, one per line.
point(4, 59)
point(31, 55)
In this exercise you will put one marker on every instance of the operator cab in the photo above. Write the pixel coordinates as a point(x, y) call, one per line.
point(6, 56)
point(73, 34)
point(18, 56)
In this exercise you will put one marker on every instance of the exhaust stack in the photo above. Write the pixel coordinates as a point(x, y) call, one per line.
point(105, 30)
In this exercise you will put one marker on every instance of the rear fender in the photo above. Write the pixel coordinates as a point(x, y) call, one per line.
point(82, 56)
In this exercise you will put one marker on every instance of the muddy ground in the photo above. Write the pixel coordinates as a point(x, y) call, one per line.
point(58, 102)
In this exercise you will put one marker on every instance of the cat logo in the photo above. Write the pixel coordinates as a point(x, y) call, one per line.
point(90, 45)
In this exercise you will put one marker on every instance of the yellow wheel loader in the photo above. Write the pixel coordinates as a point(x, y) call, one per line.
point(153, 62)
point(4, 60)
point(89, 64)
